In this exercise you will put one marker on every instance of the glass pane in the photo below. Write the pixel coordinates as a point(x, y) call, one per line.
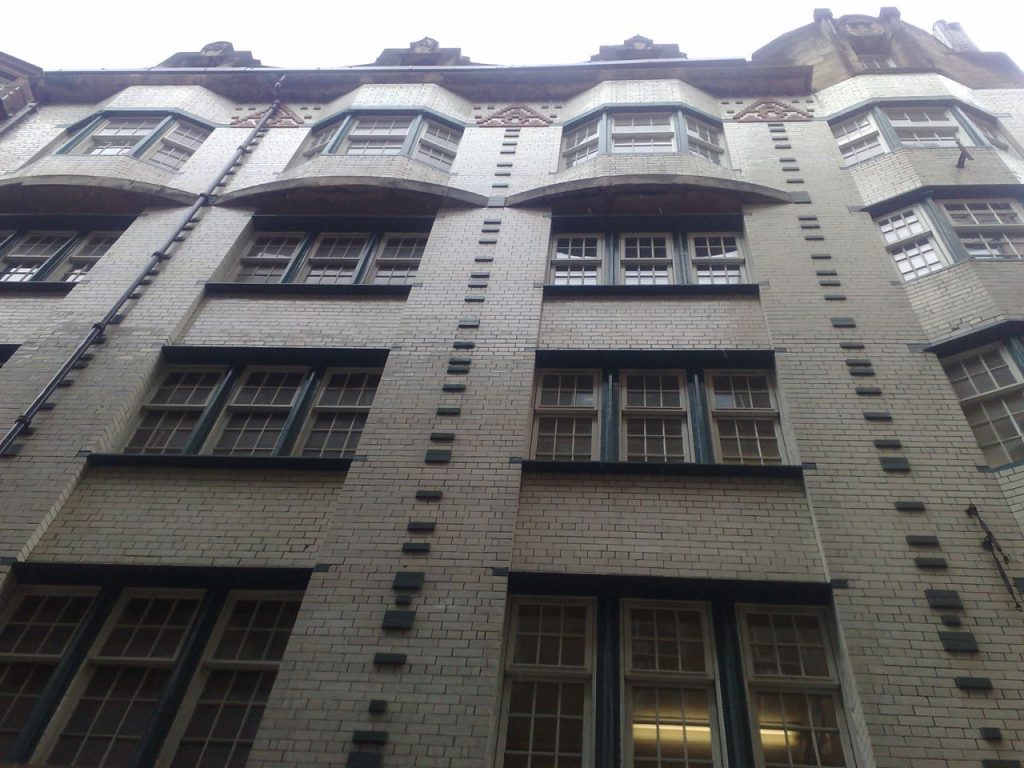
point(150, 628)
point(221, 730)
point(667, 640)
point(671, 727)
point(107, 722)
point(567, 390)
point(545, 724)
point(550, 634)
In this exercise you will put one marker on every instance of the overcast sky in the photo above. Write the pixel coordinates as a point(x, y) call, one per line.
point(113, 34)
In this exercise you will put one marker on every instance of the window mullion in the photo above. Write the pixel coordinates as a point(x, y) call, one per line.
point(297, 416)
point(1015, 346)
point(82, 135)
point(681, 257)
point(603, 129)
point(50, 698)
point(609, 416)
point(735, 718)
point(945, 231)
point(612, 258)
point(212, 412)
point(362, 266)
point(143, 146)
point(889, 135)
point(967, 125)
point(181, 674)
point(301, 254)
point(47, 267)
point(682, 135)
point(339, 134)
point(700, 419)
point(607, 692)
point(412, 136)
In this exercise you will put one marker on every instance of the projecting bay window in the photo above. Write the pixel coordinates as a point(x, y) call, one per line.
point(164, 140)
point(431, 140)
point(934, 234)
point(47, 256)
point(318, 257)
point(888, 127)
point(988, 228)
point(647, 131)
point(925, 126)
point(256, 411)
point(646, 258)
point(777, 671)
point(859, 138)
point(989, 383)
point(643, 133)
point(911, 243)
point(657, 416)
point(113, 675)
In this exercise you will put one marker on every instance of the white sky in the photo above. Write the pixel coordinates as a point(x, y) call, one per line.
point(113, 34)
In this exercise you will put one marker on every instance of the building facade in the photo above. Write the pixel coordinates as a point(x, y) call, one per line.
point(644, 412)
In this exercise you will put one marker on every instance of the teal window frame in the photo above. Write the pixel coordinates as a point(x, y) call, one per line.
point(141, 151)
point(345, 122)
point(678, 115)
point(216, 410)
point(376, 230)
point(610, 231)
point(607, 413)
point(49, 268)
point(889, 137)
point(104, 586)
point(732, 682)
point(944, 233)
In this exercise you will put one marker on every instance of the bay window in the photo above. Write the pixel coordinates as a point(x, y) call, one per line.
point(887, 127)
point(64, 256)
point(654, 130)
point(989, 383)
point(429, 139)
point(164, 140)
point(936, 233)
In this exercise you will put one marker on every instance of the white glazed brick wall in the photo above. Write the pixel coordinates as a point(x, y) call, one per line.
point(639, 92)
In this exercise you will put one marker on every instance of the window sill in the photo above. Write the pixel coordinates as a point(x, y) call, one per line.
point(643, 468)
point(633, 291)
point(304, 289)
point(1001, 467)
point(195, 461)
point(36, 288)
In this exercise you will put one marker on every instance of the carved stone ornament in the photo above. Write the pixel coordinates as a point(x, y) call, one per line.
point(218, 48)
point(639, 43)
point(771, 111)
point(285, 118)
point(861, 26)
point(514, 116)
point(426, 45)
